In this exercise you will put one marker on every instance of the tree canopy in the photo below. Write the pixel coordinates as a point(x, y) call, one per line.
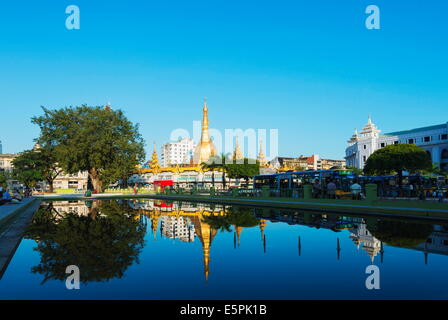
point(98, 140)
point(235, 215)
point(36, 165)
point(245, 170)
point(399, 233)
point(397, 157)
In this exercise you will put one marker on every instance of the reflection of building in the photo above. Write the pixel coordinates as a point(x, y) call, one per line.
point(157, 207)
point(183, 222)
point(206, 234)
point(437, 242)
point(362, 236)
point(75, 206)
point(177, 228)
point(434, 139)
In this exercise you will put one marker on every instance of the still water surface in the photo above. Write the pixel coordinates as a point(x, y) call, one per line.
point(156, 250)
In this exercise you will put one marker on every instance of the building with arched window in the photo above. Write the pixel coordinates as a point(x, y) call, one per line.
point(434, 139)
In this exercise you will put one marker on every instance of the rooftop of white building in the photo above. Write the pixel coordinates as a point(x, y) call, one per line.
point(416, 130)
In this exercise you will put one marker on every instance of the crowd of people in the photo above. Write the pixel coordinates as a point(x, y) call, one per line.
point(418, 189)
point(328, 190)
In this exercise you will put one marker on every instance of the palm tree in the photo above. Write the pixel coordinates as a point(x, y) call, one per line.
point(435, 169)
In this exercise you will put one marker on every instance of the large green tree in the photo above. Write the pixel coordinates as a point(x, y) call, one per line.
point(247, 169)
point(398, 157)
point(98, 140)
point(36, 165)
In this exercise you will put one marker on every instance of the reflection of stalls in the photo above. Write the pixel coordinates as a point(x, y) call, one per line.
point(162, 204)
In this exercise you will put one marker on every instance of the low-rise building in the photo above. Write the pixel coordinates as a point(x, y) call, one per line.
point(77, 181)
point(6, 161)
point(303, 163)
point(327, 164)
point(434, 139)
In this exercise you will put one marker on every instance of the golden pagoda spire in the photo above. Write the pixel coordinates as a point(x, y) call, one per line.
point(237, 154)
point(204, 135)
point(238, 230)
point(206, 235)
point(205, 149)
point(261, 157)
point(262, 227)
point(154, 224)
point(155, 159)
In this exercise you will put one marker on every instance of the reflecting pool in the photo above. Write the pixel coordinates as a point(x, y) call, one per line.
point(148, 249)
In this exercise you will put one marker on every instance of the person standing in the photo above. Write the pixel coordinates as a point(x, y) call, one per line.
point(355, 189)
point(331, 190)
point(317, 189)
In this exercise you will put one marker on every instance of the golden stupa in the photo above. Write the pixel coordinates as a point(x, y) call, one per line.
point(205, 149)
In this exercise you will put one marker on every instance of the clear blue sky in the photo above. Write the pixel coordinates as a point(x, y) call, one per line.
point(309, 68)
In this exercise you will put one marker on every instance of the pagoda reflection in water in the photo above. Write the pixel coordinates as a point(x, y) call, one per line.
point(187, 221)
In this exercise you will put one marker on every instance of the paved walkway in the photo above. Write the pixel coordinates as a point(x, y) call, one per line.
point(14, 220)
point(8, 210)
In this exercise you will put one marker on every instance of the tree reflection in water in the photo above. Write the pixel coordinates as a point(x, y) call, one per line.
point(237, 216)
point(102, 244)
point(404, 234)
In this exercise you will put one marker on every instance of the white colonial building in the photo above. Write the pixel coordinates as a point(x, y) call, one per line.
point(180, 152)
point(434, 139)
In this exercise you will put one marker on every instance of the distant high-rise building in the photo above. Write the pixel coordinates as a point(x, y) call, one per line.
point(180, 152)
point(1, 148)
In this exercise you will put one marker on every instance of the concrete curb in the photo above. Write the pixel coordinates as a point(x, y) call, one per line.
point(399, 209)
point(11, 237)
point(20, 208)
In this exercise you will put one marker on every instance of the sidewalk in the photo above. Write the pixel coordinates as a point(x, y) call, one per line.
point(7, 211)
point(14, 220)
